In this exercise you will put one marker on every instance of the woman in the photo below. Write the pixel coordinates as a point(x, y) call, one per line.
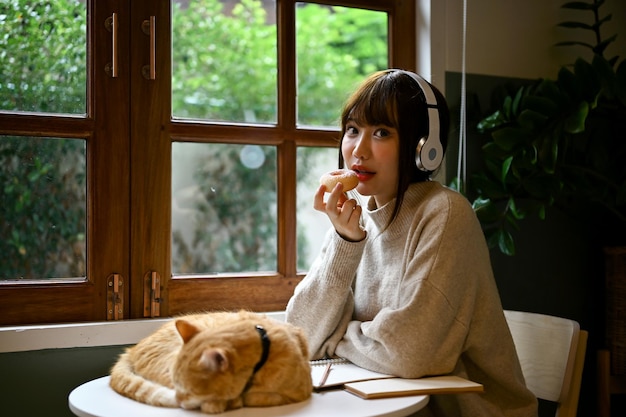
point(405, 286)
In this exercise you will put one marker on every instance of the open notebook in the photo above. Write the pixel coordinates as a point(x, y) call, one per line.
point(369, 384)
point(341, 372)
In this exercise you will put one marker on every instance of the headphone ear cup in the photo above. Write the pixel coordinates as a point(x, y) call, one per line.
point(429, 150)
point(428, 154)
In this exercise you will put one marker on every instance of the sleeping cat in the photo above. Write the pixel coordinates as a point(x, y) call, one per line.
point(216, 362)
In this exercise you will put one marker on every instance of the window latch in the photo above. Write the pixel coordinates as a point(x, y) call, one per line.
point(115, 297)
point(152, 294)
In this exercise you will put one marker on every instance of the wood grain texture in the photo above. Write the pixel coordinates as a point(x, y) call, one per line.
point(551, 352)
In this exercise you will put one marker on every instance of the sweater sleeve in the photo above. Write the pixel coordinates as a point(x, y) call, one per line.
point(423, 330)
point(323, 301)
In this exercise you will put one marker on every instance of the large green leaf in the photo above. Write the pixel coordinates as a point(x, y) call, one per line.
point(517, 213)
point(519, 96)
point(579, 5)
point(505, 242)
point(550, 90)
point(575, 25)
point(492, 121)
point(509, 137)
point(575, 123)
point(588, 78)
point(607, 76)
point(486, 211)
point(572, 85)
point(531, 119)
point(541, 104)
point(600, 47)
point(488, 187)
point(506, 166)
point(575, 43)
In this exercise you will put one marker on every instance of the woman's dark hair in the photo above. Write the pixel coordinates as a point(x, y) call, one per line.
point(394, 98)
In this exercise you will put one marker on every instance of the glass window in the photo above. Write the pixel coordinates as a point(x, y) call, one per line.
point(43, 56)
point(223, 208)
point(311, 164)
point(336, 47)
point(43, 208)
point(232, 62)
point(224, 61)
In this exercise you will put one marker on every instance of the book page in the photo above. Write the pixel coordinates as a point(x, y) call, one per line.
point(341, 371)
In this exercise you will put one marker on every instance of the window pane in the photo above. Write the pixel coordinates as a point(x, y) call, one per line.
point(223, 208)
point(312, 225)
point(43, 56)
point(43, 224)
point(224, 60)
point(336, 48)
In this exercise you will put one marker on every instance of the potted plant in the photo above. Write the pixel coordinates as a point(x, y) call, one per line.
point(558, 143)
point(562, 143)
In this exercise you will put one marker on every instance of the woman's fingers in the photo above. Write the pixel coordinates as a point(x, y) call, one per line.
point(334, 201)
point(318, 200)
point(343, 212)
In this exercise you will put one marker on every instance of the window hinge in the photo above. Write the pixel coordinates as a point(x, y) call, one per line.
point(152, 294)
point(115, 297)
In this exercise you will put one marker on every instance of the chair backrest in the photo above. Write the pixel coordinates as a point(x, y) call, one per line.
point(551, 351)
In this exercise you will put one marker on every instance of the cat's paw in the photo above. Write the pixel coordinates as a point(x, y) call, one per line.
point(164, 397)
point(187, 402)
point(235, 403)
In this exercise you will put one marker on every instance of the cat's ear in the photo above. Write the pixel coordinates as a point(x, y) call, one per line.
point(186, 329)
point(214, 360)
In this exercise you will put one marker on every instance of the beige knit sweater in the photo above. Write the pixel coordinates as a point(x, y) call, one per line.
point(424, 302)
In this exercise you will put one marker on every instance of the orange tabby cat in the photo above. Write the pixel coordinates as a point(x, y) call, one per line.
point(217, 362)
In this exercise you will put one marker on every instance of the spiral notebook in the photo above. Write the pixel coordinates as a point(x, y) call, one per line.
point(341, 372)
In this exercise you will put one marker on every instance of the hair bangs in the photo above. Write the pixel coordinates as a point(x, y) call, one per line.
point(374, 104)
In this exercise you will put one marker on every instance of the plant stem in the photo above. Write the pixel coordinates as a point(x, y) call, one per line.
point(596, 26)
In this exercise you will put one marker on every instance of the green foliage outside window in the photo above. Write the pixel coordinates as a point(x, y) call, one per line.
point(42, 56)
point(224, 69)
point(42, 180)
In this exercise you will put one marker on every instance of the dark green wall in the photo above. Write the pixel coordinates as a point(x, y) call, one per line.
point(37, 383)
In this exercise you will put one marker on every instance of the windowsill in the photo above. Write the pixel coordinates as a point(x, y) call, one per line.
point(74, 335)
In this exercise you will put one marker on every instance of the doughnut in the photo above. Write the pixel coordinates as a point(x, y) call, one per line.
point(345, 176)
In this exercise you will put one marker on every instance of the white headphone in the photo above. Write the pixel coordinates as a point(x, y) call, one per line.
point(429, 151)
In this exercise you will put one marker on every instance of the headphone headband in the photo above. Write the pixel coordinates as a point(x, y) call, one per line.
point(429, 151)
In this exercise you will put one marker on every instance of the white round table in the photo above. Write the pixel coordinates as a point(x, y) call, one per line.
point(96, 399)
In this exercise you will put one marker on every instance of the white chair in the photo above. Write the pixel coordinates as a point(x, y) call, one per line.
point(551, 351)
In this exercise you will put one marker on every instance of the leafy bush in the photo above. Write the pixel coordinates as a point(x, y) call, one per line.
point(559, 143)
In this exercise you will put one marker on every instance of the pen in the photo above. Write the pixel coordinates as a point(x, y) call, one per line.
point(325, 374)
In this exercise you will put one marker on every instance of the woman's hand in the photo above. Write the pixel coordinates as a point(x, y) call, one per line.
point(344, 213)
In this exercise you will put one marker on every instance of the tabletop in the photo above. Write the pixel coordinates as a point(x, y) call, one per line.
point(96, 399)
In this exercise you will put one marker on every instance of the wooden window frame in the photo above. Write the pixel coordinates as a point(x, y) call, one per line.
point(129, 161)
point(270, 292)
point(46, 301)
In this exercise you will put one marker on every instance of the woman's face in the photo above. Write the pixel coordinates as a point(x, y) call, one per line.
point(373, 152)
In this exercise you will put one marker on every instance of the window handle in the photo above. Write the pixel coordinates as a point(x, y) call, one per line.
point(110, 23)
point(149, 28)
